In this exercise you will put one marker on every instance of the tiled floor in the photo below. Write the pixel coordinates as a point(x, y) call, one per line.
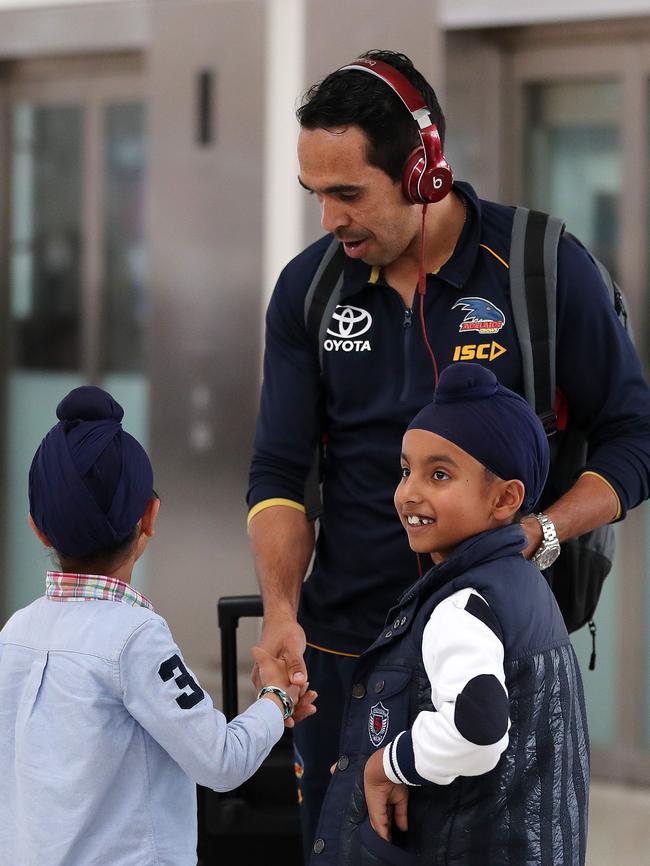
point(619, 826)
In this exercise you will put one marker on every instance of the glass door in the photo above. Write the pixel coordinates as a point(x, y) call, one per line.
point(574, 159)
point(77, 276)
point(579, 147)
point(572, 167)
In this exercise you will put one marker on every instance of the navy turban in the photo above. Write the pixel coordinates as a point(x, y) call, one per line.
point(493, 424)
point(90, 481)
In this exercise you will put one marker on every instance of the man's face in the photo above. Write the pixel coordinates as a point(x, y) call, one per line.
point(359, 202)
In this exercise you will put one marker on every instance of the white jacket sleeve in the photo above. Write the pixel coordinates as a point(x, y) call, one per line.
point(163, 695)
point(462, 651)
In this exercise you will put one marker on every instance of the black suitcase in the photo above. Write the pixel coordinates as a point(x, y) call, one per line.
point(258, 822)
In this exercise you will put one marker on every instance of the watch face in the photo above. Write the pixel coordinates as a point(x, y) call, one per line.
point(544, 558)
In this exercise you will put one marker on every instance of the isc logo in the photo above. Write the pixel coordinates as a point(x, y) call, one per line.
point(479, 352)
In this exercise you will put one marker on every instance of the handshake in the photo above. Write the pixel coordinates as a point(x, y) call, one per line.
point(275, 683)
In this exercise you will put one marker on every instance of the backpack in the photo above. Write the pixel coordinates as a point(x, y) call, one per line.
point(577, 575)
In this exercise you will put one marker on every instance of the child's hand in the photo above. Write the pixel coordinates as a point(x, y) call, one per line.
point(273, 672)
point(382, 795)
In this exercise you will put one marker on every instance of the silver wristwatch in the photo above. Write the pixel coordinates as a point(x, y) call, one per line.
point(549, 549)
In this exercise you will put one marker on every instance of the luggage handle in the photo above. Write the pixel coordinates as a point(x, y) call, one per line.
point(262, 811)
point(230, 609)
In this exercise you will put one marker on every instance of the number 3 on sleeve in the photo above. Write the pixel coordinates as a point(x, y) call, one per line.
point(184, 680)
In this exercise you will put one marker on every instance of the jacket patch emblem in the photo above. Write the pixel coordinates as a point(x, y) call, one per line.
point(482, 316)
point(378, 724)
point(347, 326)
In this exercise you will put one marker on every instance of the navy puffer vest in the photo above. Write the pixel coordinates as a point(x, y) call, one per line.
point(532, 808)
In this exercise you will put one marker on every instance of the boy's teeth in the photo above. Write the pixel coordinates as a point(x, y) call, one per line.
point(414, 520)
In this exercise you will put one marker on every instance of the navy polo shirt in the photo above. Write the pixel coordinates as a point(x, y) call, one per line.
point(377, 374)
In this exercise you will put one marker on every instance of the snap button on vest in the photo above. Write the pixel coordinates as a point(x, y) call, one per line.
point(319, 846)
point(403, 620)
point(396, 624)
point(379, 686)
point(358, 691)
point(343, 762)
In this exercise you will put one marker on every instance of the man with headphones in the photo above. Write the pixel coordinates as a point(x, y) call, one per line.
point(424, 284)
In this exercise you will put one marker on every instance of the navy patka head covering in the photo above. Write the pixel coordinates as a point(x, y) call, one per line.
point(90, 481)
point(493, 424)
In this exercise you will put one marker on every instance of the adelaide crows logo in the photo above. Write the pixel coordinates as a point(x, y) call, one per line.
point(482, 316)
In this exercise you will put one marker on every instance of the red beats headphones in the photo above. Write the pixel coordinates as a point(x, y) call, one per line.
point(427, 175)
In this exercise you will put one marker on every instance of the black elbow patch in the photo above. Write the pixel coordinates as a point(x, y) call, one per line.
point(481, 714)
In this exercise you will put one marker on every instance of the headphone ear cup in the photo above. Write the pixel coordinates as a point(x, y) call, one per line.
point(425, 185)
point(436, 183)
point(427, 174)
point(412, 173)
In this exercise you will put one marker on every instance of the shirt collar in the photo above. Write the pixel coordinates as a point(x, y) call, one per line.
point(357, 275)
point(491, 544)
point(92, 587)
point(476, 550)
point(456, 271)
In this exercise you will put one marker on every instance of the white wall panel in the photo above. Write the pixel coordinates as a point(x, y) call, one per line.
point(503, 13)
point(85, 27)
point(206, 267)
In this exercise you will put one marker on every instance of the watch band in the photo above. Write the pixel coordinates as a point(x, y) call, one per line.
point(287, 700)
point(549, 550)
point(548, 528)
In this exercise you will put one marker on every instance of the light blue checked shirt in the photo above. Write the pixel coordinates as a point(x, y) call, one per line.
point(104, 733)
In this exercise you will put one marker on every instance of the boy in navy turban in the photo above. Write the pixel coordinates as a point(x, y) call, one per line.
point(465, 739)
point(104, 731)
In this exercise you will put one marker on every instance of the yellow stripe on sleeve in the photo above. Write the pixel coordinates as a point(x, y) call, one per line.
point(619, 510)
point(269, 503)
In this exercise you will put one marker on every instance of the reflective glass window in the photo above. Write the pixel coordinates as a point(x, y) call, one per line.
point(46, 236)
point(125, 259)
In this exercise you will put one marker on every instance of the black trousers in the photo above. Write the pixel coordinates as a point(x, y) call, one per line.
point(316, 739)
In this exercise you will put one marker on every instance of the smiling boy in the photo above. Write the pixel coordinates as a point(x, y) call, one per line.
point(465, 741)
point(459, 501)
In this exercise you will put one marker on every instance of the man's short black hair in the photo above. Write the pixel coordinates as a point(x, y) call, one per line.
point(352, 97)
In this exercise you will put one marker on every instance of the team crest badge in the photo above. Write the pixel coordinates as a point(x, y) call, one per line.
point(481, 316)
point(378, 724)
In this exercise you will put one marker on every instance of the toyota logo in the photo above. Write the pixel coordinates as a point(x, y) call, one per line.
point(349, 322)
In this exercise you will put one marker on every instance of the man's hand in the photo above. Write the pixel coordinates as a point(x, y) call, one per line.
point(384, 796)
point(591, 502)
point(534, 534)
point(273, 672)
point(283, 638)
point(283, 542)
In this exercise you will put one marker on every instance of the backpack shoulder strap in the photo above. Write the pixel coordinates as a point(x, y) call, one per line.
point(533, 289)
point(323, 295)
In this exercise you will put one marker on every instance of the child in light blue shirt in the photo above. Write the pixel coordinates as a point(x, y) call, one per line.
point(104, 730)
